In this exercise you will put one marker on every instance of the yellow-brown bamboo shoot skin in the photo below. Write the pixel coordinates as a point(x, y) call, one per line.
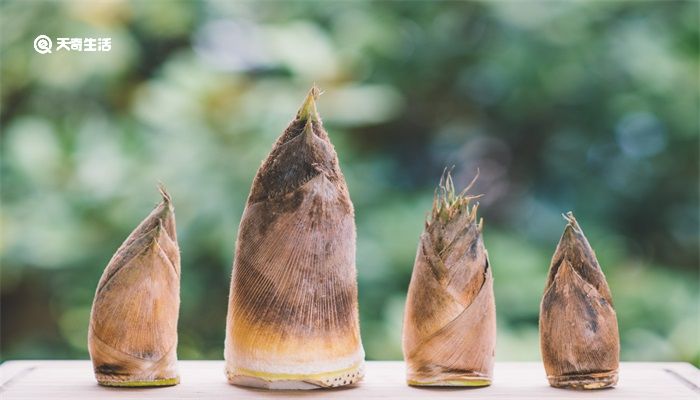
point(579, 337)
point(449, 331)
point(293, 319)
point(132, 336)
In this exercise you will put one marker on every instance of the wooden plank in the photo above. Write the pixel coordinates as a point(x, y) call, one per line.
point(384, 379)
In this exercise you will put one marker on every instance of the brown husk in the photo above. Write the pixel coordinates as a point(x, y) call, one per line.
point(578, 326)
point(132, 337)
point(449, 332)
point(293, 318)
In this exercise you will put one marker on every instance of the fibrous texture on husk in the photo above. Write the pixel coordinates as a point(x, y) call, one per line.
point(132, 336)
point(293, 318)
point(449, 331)
point(578, 325)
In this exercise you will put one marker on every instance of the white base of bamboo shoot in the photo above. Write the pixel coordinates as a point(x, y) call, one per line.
point(277, 381)
point(595, 380)
point(110, 381)
point(466, 382)
point(432, 374)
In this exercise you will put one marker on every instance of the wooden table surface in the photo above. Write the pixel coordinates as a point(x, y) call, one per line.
point(383, 379)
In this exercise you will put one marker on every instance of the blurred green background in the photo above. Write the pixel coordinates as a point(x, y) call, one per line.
point(583, 106)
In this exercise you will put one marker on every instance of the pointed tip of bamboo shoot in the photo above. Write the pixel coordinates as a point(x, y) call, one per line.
point(167, 199)
point(572, 232)
point(572, 222)
point(448, 203)
point(308, 111)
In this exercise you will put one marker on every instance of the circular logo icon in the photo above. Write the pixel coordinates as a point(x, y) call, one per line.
point(43, 44)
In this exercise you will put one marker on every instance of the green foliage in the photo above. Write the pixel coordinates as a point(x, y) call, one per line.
point(583, 106)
